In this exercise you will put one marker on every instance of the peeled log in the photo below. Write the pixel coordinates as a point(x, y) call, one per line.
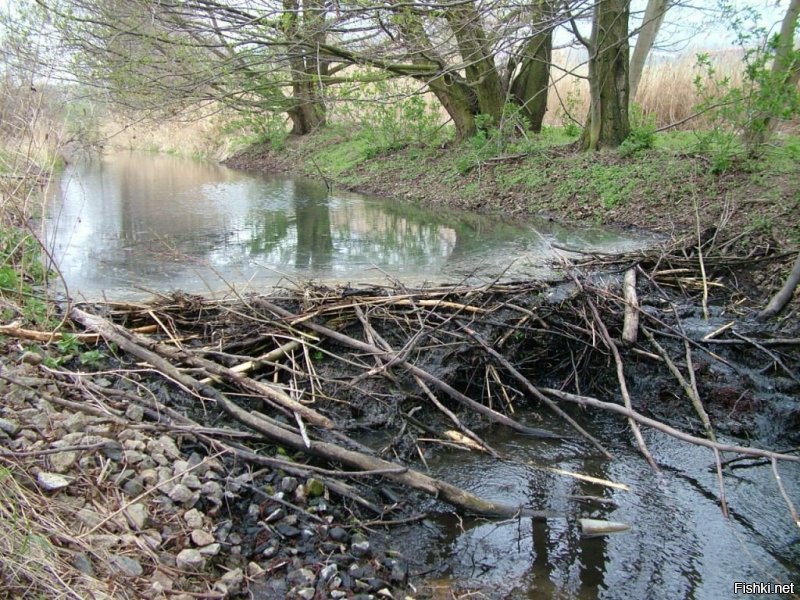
point(630, 328)
point(600, 527)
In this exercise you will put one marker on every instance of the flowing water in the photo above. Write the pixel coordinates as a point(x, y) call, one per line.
point(130, 223)
point(679, 546)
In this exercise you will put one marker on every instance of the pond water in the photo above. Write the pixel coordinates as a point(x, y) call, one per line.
point(679, 545)
point(128, 224)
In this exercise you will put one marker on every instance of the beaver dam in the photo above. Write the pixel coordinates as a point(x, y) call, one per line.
point(394, 441)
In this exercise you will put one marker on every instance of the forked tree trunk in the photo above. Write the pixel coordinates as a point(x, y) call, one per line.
point(481, 72)
point(607, 124)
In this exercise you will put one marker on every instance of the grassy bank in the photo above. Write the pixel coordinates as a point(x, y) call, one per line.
point(669, 187)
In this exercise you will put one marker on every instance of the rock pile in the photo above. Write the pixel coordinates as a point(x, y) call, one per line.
point(148, 515)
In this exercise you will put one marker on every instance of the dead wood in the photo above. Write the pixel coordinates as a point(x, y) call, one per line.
point(442, 490)
point(390, 357)
point(782, 297)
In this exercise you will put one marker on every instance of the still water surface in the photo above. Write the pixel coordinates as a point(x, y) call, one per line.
point(129, 223)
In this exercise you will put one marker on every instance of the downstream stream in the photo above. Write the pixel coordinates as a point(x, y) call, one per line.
point(679, 546)
point(128, 225)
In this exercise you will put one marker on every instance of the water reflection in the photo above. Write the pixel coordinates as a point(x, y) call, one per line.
point(161, 223)
point(680, 545)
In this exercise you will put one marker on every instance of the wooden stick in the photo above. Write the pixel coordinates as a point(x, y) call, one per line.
point(415, 370)
point(792, 509)
point(623, 386)
point(671, 431)
point(723, 503)
point(630, 328)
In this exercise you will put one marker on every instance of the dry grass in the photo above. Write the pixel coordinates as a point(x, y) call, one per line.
point(198, 133)
point(35, 560)
point(667, 91)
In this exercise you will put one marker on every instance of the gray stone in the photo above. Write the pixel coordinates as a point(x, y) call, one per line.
point(164, 474)
point(137, 515)
point(166, 445)
point(210, 550)
point(288, 484)
point(193, 518)
point(254, 570)
point(130, 567)
point(307, 593)
point(135, 412)
point(61, 462)
point(112, 449)
point(8, 426)
point(52, 481)
point(179, 467)
point(163, 579)
point(76, 422)
point(212, 491)
point(302, 577)
point(190, 560)
point(338, 534)
point(149, 477)
point(102, 541)
point(83, 563)
point(90, 518)
point(31, 358)
point(327, 572)
point(233, 579)
point(133, 457)
point(202, 538)
point(180, 493)
point(134, 486)
point(191, 481)
point(360, 548)
point(134, 444)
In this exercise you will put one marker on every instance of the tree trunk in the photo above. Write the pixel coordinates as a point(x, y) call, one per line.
point(784, 80)
point(529, 88)
point(452, 91)
point(460, 102)
point(306, 110)
point(607, 124)
point(481, 71)
point(651, 23)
